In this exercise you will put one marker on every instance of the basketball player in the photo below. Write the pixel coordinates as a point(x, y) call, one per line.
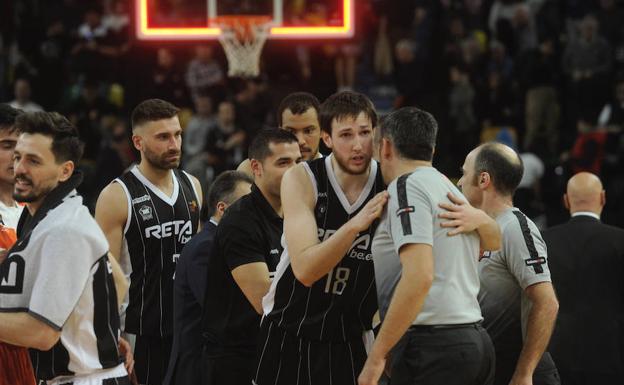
point(517, 297)
point(246, 253)
point(58, 296)
point(14, 360)
point(298, 114)
point(321, 302)
point(148, 215)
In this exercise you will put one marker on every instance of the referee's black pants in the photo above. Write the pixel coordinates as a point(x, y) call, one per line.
point(449, 355)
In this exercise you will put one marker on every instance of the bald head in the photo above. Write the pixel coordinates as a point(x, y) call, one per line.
point(502, 163)
point(585, 193)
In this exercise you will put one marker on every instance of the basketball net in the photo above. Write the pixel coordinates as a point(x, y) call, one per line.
point(242, 39)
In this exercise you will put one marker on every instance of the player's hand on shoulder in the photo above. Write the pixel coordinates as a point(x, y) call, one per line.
point(461, 216)
point(371, 211)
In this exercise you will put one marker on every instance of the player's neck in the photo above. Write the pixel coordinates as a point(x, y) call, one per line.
point(494, 204)
point(275, 202)
point(6, 195)
point(159, 177)
point(347, 181)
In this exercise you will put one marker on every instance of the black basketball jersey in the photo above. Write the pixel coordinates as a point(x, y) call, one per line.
point(157, 229)
point(341, 305)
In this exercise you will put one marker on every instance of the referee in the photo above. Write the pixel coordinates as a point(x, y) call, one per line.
point(246, 253)
point(517, 298)
point(427, 281)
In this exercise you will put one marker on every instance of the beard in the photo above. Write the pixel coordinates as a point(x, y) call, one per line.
point(160, 161)
point(353, 170)
point(34, 194)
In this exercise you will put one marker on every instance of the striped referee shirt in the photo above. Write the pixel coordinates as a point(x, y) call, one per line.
point(506, 273)
point(58, 272)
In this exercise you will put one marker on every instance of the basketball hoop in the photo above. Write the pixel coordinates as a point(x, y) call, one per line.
point(242, 38)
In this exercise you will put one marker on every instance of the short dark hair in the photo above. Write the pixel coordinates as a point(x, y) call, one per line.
point(297, 103)
point(66, 143)
point(345, 104)
point(412, 132)
point(222, 190)
point(8, 115)
point(259, 148)
point(505, 172)
point(152, 110)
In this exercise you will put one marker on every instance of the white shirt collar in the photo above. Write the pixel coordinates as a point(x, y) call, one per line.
point(586, 213)
point(213, 221)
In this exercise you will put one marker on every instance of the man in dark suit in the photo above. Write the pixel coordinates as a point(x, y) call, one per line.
point(587, 267)
point(190, 281)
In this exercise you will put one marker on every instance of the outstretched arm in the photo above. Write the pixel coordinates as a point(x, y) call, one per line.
point(311, 259)
point(464, 218)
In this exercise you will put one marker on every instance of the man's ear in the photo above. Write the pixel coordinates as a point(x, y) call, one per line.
point(256, 167)
point(603, 198)
point(326, 139)
point(386, 150)
point(67, 169)
point(220, 209)
point(484, 181)
point(137, 141)
point(566, 202)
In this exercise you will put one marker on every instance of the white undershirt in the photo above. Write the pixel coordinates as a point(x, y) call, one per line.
point(586, 213)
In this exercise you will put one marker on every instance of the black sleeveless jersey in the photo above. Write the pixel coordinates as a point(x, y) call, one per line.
point(341, 305)
point(157, 229)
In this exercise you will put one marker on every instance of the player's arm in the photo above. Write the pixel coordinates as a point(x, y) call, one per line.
point(200, 196)
point(309, 258)
point(245, 167)
point(111, 214)
point(407, 301)
point(464, 218)
point(253, 280)
point(541, 321)
point(121, 282)
point(22, 329)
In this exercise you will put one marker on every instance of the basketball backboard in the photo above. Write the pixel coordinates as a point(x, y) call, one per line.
point(290, 19)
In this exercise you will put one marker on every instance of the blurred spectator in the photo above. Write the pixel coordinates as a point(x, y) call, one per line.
point(538, 73)
point(22, 97)
point(513, 23)
point(409, 72)
point(474, 15)
point(195, 139)
point(252, 105)
point(496, 102)
point(461, 111)
point(95, 53)
point(500, 61)
point(117, 18)
point(86, 113)
point(167, 81)
point(204, 73)
point(528, 196)
point(51, 57)
point(610, 17)
point(116, 154)
point(587, 62)
point(225, 141)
